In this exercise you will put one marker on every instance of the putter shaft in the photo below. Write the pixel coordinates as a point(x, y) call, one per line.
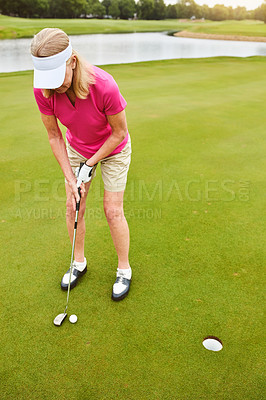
point(59, 319)
point(73, 248)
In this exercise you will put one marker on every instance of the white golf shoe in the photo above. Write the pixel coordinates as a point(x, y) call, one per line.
point(77, 272)
point(122, 284)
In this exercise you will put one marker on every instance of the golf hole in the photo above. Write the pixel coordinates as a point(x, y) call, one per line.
point(212, 343)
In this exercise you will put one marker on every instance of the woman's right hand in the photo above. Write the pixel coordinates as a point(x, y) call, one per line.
point(75, 193)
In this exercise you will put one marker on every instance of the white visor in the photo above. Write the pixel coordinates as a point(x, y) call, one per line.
point(49, 72)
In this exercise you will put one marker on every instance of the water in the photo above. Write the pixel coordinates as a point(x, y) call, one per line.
point(131, 47)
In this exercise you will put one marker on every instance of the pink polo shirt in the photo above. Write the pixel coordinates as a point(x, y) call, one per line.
point(86, 122)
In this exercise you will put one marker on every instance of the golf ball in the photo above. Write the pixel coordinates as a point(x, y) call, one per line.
point(73, 318)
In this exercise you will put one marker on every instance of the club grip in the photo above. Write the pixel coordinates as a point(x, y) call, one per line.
point(78, 202)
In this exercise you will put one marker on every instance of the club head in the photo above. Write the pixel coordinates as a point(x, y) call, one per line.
point(59, 319)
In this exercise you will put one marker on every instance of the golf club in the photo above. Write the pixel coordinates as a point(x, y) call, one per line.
point(59, 319)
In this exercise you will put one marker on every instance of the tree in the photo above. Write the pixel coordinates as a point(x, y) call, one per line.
point(219, 12)
point(106, 4)
point(67, 9)
point(260, 12)
point(98, 9)
point(240, 13)
point(230, 14)
point(171, 11)
point(159, 9)
point(205, 12)
point(250, 14)
point(25, 8)
point(145, 8)
point(127, 8)
point(95, 8)
point(187, 8)
point(182, 9)
point(114, 9)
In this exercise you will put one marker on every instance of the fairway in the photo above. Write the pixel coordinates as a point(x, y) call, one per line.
point(194, 204)
point(12, 28)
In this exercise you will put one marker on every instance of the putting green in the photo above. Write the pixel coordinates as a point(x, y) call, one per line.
point(194, 204)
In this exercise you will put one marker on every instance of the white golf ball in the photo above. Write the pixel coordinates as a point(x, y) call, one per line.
point(73, 318)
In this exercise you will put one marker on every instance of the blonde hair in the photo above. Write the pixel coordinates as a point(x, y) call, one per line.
point(50, 41)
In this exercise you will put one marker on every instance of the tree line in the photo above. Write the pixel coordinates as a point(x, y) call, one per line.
point(126, 9)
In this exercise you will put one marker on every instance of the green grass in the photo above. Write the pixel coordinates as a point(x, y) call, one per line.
point(194, 204)
point(243, 28)
point(22, 27)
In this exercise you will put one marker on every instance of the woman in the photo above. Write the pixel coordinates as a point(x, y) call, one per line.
point(87, 101)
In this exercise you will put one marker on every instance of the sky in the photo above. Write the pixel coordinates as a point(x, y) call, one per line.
point(249, 4)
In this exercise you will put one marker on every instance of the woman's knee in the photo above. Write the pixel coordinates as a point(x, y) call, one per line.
point(113, 212)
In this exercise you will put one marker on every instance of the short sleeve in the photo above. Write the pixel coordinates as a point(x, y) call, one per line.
point(113, 101)
point(43, 103)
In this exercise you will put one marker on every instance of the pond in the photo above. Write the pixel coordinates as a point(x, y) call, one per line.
point(104, 49)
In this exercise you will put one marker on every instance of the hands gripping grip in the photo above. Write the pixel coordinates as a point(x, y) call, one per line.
point(78, 202)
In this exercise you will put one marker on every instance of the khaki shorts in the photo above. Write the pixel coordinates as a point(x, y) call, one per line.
point(114, 168)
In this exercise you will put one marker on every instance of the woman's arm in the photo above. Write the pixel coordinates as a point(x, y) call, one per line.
point(118, 124)
point(58, 147)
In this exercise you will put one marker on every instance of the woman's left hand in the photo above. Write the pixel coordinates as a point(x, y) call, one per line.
point(84, 174)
